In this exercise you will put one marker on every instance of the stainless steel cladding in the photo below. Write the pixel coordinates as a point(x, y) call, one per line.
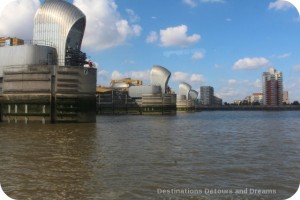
point(193, 95)
point(160, 76)
point(12, 56)
point(139, 91)
point(184, 89)
point(62, 24)
point(181, 97)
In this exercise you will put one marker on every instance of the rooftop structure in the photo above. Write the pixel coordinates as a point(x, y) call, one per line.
point(159, 79)
point(155, 98)
point(61, 24)
point(184, 90)
point(193, 95)
point(186, 97)
point(160, 76)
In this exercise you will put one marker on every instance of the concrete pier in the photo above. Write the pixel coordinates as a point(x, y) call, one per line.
point(48, 94)
point(118, 102)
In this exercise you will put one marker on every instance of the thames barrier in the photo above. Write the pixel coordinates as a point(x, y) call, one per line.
point(49, 79)
point(46, 79)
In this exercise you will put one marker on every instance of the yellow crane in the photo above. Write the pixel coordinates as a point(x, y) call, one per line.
point(128, 81)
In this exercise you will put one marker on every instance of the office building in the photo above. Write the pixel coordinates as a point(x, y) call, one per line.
point(257, 98)
point(285, 97)
point(218, 101)
point(207, 95)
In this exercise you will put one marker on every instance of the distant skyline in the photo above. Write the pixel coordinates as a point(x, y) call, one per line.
point(226, 44)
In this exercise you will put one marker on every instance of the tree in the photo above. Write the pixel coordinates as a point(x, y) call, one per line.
point(256, 103)
point(296, 103)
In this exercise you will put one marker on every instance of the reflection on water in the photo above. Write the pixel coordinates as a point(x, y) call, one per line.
point(133, 157)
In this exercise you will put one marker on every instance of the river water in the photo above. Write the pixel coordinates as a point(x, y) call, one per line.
point(205, 155)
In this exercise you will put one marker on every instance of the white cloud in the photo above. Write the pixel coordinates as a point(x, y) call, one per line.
point(183, 76)
point(232, 82)
point(227, 92)
point(212, 1)
point(194, 3)
point(257, 83)
point(140, 75)
point(132, 16)
point(285, 55)
point(103, 77)
point(296, 68)
point(177, 36)
point(152, 37)
point(218, 66)
point(16, 18)
point(280, 5)
point(117, 75)
point(102, 72)
point(182, 52)
point(197, 78)
point(198, 56)
point(129, 62)
point(250, 63)
point(105, 26)
point(191, 3)
point(180, 76)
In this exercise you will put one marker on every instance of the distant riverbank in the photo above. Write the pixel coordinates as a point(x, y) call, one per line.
point(250, 108)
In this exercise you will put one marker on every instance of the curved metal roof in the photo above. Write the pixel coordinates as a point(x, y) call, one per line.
point(60, 23)
point(160, 76)
point(193, 94)
point(184, 89)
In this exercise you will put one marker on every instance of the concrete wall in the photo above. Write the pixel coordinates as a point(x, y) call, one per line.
point(26, 55)
point(49, 94)
point(25, 79)
point(139, 91)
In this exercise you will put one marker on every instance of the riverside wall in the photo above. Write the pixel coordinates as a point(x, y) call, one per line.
point(118, 102)
point(48, 94)
point(248, 108)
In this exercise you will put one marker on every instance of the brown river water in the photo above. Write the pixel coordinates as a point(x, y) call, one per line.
point(205, 155)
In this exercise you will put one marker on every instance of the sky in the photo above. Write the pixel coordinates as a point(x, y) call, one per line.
point(226, 44)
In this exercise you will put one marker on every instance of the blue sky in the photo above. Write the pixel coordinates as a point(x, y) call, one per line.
point(226, 44)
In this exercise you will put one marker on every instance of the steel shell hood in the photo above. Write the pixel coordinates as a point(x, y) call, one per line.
point(184, 89)
point(193, 94)
point(160, 76)
point(61, 24)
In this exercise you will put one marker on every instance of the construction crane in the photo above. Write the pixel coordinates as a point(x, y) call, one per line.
point(128, 81)
point(119, 84)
